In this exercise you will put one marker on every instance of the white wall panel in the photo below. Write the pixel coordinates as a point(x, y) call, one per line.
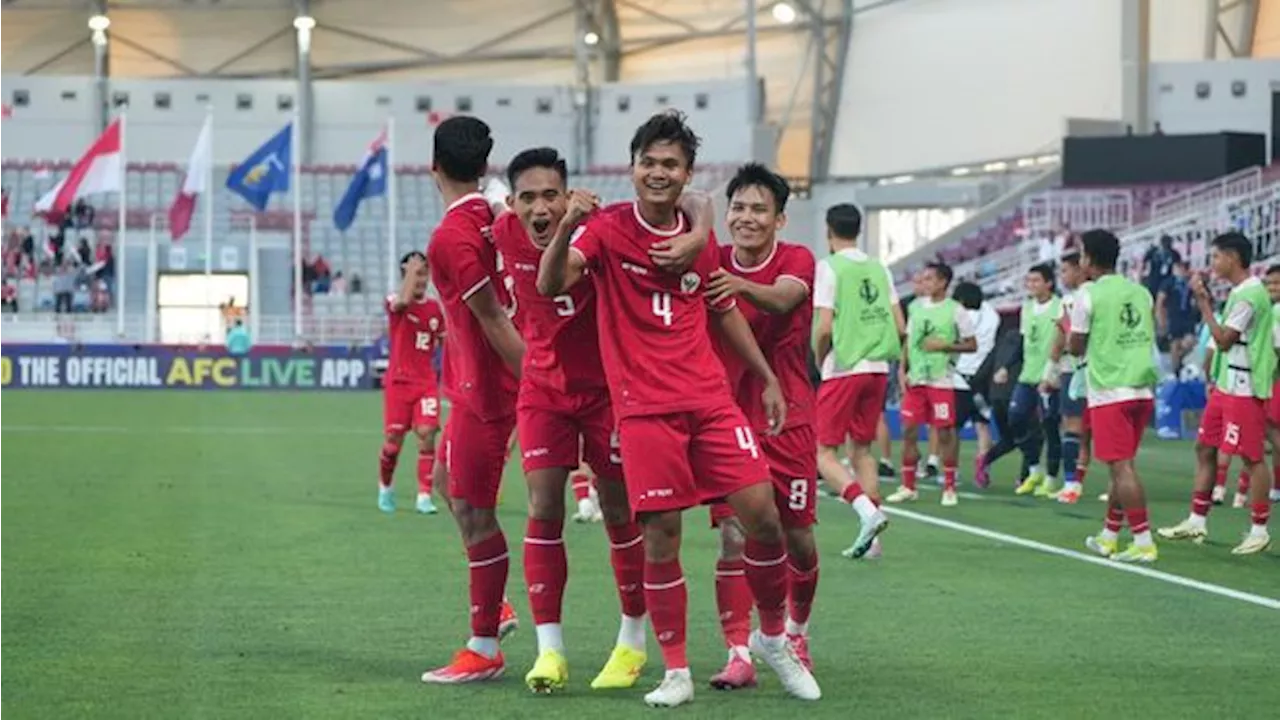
point(1177, 30)
point(938, 82)
point(1198, 97)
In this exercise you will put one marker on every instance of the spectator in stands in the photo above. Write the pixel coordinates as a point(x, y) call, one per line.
point(99, 295)
point(84, 253)
point(357, 284)
point(64, 287)
point(9, 302)
point(1176, 314)
point(324, 275)
point(105, 254)
point(339, 284)
point(82, 214)
point(28, 245)
point(308, 276)
point(1157, 264)
point(238, 340)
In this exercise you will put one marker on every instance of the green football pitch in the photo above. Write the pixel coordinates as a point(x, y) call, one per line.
point(210, 555)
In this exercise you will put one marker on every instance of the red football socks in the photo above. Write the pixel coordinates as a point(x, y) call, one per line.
point(803, 586)
point(766, 567)
point(1261, 513)
point(387, 463)
point(626, 554)
point(949, 478)
point(1201, 503)
point(1137, 518)
point(667, 598)
point(426, 463)
point(546, 569)
point(1115, 519)
point(733, 601)
point(1220, 476)
point(581, 485)
point(1242, 482)
point(488, 562)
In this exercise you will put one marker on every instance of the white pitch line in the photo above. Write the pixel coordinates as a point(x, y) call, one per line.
point(1260, 600)
point(183, 430)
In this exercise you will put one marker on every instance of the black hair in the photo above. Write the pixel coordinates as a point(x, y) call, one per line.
point(462, 147)
point(1102, 247)
point(1071, 258)
point(1273, 269)
point(1044, 270)
point(968, 294)
point(539, 157)
point(757, 175)
point(844, 221)
point(404, 259)
point(942, 269)
point(667, 126)
point(1235, 242)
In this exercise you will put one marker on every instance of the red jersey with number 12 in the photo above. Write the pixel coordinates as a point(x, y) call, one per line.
point(562, 349)
point(463, 261)
point(783, 338)
point(652, 323)
point(415, 331)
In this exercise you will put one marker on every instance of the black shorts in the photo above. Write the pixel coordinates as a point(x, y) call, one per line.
point(970, 406)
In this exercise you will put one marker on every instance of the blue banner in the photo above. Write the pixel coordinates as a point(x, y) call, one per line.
point(162, 367)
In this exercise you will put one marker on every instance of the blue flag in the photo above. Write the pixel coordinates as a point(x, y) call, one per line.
point(369, 181)
point(264, 172)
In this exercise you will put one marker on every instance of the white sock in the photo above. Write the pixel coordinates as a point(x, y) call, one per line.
point(423, 495)
point(934, 461)
point(864, 507)
point(550, 637)
point(1109, 535)
point(740, 651)
point(631, 632)
point(486, 646)
point(1034, 470)
point(678, 672)
point(796, 628)
point(1196, 521)
point(1258, 531)
point(1142, 539)
point(1073, 485)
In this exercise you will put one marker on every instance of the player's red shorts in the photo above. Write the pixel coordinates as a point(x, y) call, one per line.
point(850, 406)
point(1234, 425)
point(1273, 405)
point(1119, 428)
point(935, 407)
point(793, 467)
point(679, 460)
point(406, 407)
point(555, 427)
point(475, 452)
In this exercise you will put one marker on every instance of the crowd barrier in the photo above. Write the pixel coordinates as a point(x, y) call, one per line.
point(168, 367)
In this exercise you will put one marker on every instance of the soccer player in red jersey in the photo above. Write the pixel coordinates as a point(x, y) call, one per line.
point(774, 278)
point(482, 358)
point(684, 440)
point(410, 400)
point(564, 413)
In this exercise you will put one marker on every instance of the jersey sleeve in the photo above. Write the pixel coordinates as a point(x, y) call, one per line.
point(463, 262)
point(1080, 313)
point(586, 241)
point(798, 265)
point(893, 286)
point(824, 286)
point(389, 304)
point(1240, 317)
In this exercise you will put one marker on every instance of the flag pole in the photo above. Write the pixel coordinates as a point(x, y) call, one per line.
point(392, 202)
point(122, 259)
point(297, 227)
point(208, 205)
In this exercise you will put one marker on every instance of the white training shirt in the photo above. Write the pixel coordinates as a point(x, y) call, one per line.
point(824, 296)
point(986, 325)
point(1080, 315)
point(1239, 379)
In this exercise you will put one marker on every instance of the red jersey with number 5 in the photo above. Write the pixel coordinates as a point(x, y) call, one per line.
point(784, 338)
point(463, 261)
point(415, 331)
point(657, 355)
point(562, 349)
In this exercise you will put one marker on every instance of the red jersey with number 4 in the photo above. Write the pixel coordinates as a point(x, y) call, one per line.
point(415, 331)
point(784, 338)
point(463, 262)
point(657, 355)
point(562, 349)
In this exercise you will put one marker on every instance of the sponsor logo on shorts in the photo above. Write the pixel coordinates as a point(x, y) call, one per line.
point(659, 493)
point(536, 452)
point(632, 267)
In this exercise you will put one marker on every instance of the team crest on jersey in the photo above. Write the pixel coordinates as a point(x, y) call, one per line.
point(433, 323)
point(689, 282)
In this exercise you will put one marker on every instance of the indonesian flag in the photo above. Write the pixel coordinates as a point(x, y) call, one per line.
point(97, 172)
point(195, 183)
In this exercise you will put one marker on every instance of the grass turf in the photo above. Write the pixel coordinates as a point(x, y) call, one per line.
point(219, 555)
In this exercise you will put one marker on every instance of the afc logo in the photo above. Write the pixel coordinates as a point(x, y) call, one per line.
point(868, 292)
point(689, 282)
point(1129, 316)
